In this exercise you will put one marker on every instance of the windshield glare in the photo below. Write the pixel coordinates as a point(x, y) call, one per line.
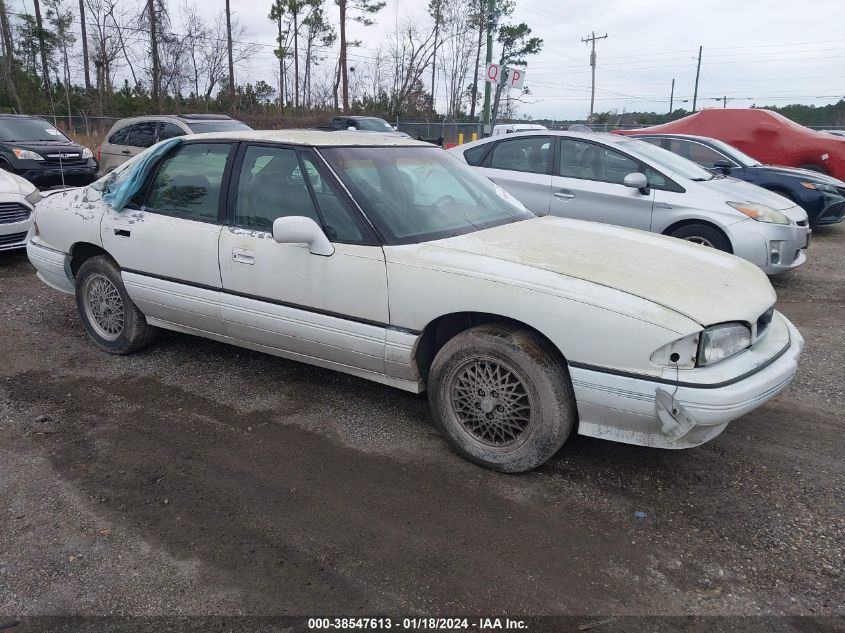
point(660, 157)
point(373, 124)
point(742, 158)
point(201, 127)
point(29, 130)
point(417, 194)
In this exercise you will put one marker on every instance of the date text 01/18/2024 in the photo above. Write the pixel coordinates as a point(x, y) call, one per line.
point(417, 624)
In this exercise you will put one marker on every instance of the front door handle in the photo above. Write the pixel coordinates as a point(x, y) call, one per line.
point(564, 194)
point(122, 233)
point(243, 256)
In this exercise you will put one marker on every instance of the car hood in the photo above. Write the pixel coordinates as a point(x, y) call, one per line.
point(44, 147)
point(701, 283)
point(735, 190)
point(10, 183)
point(808, 174)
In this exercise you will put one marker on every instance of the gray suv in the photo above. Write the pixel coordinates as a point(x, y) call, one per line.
point(129, 137)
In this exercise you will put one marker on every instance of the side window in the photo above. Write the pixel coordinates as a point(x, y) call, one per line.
point(337, 218)
point(170, 130)
point(474, 155)
point(187, 184)
point(653, 140)
point(522, 154)
point(142, 134)
point(271, 186)
point(700, 154)
point(579, 159)
point(120, 137)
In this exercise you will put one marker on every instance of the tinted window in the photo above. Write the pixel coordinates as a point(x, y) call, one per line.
point(142, 134)
point(271, 186)
point(188, 181)
point(373, 124)
point(522, 154)
point(474, 155)
point(579, 159)
point(337, 218)
point(696, 152)
point(414, 194)
point(121, 136)
point(169, 130)
point(201, 127)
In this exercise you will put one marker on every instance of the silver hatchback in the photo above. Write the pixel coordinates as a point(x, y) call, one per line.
point(623, 181)
point(129, 137)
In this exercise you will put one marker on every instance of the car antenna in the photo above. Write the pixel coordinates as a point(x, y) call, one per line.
point(62, 172)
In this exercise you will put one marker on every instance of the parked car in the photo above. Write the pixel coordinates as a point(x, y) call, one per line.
point(129, 137)
point(35, 150)
point(512, 128)
point(388, 259)
point(617, 180)
point(821, 196)
point(16, 199)
point(769, 137)
point(365, 124)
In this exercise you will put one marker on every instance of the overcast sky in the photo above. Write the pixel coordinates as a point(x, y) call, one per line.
point(755, 51)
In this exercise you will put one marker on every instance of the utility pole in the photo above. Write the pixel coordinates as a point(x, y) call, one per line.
point(484, 130)
point(725, 101)
point(592, 41)
point(156, 87)
point(231, 62)
point(697, 72)
point(672, 96)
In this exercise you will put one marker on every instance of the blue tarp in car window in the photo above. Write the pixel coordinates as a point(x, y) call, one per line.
point(127, 182)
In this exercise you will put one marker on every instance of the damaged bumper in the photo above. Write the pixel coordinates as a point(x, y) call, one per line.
point(695, 407)
point(52, 266)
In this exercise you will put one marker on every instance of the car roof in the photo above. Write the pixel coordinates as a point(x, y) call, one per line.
point(20, 116)
point(316, 138)
point(692, 137)
point(600, 136)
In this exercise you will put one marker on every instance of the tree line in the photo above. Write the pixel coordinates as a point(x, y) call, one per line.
point(118, 57)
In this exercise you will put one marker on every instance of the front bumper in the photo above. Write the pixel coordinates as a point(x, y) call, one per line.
point(776, 248)
point(13, 234)
point(631, 409)
point(52, 266)
point(48, 175)
point(831, 214)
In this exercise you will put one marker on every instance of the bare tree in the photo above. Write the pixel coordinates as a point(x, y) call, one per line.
point(460, 49)
point(229, 52)
point(152, 24)
point(361, 11)
point(412, 53)
point(41, 44)
point(318, 32)
point(8, 55)
point(106, 48)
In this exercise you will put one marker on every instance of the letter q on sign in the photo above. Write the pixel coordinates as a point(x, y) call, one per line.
point(493, 72)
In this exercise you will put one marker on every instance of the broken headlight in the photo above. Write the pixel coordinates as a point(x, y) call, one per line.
point(719, 342)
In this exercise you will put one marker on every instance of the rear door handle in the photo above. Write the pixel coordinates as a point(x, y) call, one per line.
point(243, 256)
point(564, 194)
point(122, 233)
point(125, 151)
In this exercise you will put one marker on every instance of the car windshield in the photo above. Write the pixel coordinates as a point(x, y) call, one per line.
point(372, 124)
point(29, 130)
point(660, 157)
point(417, 194)
point(741, 157)
point(201, 127)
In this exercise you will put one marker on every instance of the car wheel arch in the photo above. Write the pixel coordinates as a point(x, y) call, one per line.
point(669, 230)
point(441, 330)
point(80, 252)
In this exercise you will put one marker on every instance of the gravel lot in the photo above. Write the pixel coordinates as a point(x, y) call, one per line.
point(198, 478)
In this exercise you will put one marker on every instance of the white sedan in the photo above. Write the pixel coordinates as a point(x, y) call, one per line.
point(16, 199)
point(389, 259)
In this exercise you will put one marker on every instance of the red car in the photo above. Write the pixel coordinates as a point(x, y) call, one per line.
point(765, 135)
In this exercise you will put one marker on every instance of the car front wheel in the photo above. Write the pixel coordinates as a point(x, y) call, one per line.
point(113, 322)
point(703, 234)
point(502, 398)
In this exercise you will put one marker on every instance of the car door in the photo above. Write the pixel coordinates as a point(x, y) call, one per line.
point(521, 166)
point(166, 240)
point(588, 185)
point(281, 297)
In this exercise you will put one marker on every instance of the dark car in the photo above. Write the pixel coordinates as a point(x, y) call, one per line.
point(821, 196)
point(34, 149)
point(365, 124)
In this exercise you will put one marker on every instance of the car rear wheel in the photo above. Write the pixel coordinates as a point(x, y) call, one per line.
point(113, 322)
point(703, 234)
point(501, 397)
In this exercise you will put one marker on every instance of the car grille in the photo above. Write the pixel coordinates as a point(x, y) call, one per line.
point(71, 158)
point(13, 212)
point(12, 238)
point(764, 322)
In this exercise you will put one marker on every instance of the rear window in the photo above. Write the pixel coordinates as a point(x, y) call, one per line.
point(474, 155)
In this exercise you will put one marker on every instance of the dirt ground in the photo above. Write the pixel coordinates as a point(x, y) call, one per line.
point(198, 478)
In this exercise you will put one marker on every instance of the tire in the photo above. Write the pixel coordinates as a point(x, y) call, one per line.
point(812, 167)
point(462, 387)
point(114, 323)
point(704, 234)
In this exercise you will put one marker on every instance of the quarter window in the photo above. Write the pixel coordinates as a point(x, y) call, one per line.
point(142, 134)
point(188, 182)
point(170, 130)
point(529, 154)
point(474, 155)
point(588, 161)
point(121, 136)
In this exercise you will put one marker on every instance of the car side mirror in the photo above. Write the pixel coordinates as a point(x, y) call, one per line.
point(639, 181)
point(298, 229)
point(723, 166)
point(350, 128)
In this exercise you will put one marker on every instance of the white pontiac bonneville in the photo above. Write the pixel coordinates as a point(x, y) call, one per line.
point(389, 259)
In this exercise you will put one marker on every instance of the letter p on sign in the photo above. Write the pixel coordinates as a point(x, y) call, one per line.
point(516, 77)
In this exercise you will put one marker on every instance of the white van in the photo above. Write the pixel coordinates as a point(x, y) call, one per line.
point(510, 128)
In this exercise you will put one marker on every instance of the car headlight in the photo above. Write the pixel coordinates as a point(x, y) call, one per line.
point(719, 342)
point(709, 346)
point(25, 154)
point(33, 197)
point(819, 186)
point(760, 212)
point(87, 153)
